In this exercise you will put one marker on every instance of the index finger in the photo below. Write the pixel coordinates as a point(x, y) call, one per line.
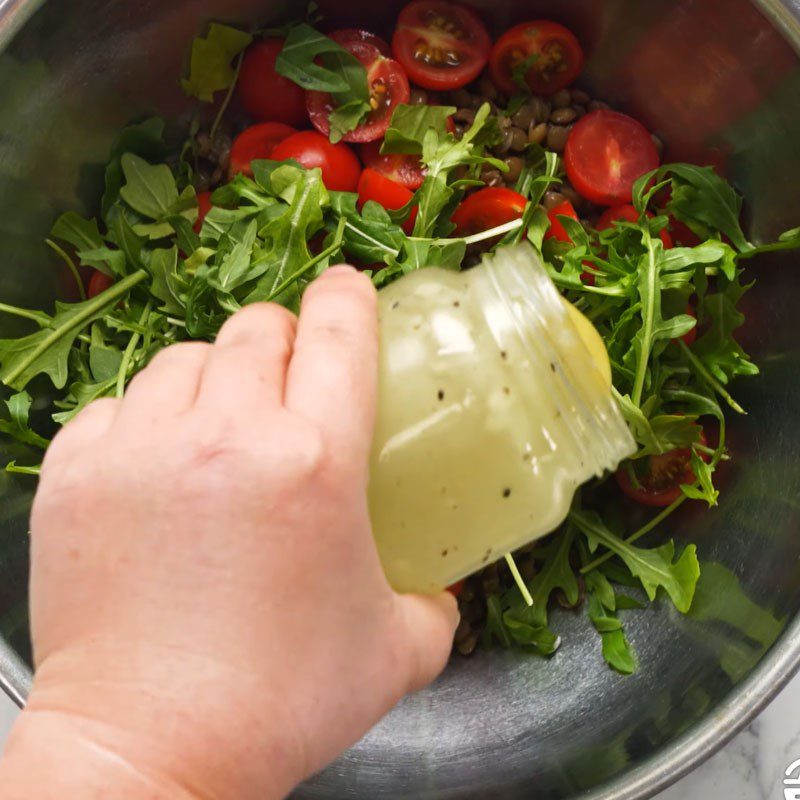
point(332, 378)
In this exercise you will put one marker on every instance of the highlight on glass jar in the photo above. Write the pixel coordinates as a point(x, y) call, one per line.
point(495, 406)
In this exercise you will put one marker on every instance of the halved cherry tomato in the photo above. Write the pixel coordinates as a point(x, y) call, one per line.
point(98, 283)
point(349, 35)
point(256, 142)
point(552, 54)
point(660, 482)
point(404, 169)
point(606, 153)
point(486, 209)
point(204, 205)
point(339, 165)
point(442, 45)
point(456, 588)
point(388, 193)
point(628, 213)
point(557, 230)
point(266, 95)
point(388, 88)
point(691, 337)
point(683, 234)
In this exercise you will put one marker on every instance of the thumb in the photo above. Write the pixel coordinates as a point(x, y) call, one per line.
point(428, 624)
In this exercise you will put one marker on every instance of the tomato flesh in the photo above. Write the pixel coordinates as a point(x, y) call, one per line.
point(98, 283)
point(486, 209)
point(552, 54)
point(404, 169)
point(605, 154)
point(340, 167)
point(266, 95)
point(388, 193)
point(204, 205)
point(441, 45)
point(388, 88)
point(352, 35)
point(456, 588)
point(660, 484)
point(256, 142)
point(629, 214)
point(557, 230)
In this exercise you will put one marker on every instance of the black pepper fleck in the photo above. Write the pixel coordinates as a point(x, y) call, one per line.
point(487, 555)
point(552, 366)
point(506, 390)
point(444, 553)
point(503, 354)
point(440, 394)
point(506, 492)
point(396, 304)
point(456, 304)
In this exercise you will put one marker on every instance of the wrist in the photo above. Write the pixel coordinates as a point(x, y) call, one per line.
point(182, 731)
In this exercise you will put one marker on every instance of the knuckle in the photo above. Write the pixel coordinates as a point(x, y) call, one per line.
point(258, 321)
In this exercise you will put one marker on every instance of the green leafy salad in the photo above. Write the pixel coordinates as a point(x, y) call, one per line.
point(163, 261)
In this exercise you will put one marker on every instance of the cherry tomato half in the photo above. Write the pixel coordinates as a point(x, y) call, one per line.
point(606, 153)
point(441, 45)
point(557, 230)
point(628, 213)
point(339, 165)
point(456, 588)
point(661, 477)
point(388, 88)
point(349, 35)
point(486, 209)
point(404, 169)
point(98, 283)
point(204, 205)
point(266, 95)
point(256, 142)
point(388, 193)
point(553, 55)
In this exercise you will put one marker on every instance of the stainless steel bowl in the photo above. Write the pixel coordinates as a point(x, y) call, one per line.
point(719, 81)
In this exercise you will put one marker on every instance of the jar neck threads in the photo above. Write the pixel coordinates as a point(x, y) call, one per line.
point(529, 305)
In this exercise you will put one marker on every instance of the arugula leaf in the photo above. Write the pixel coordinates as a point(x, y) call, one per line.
point(347, 117)
point(660, 433)
point(48, 350)
point(654, 568)
point(704, 488)
point(410, 124)
point(90, 247)
point(152, 191)
point(210, 68)
point(17, 426)
point(601, 607)
point(317, 63)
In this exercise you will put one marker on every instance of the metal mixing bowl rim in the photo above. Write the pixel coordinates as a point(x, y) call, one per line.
point(700, 741)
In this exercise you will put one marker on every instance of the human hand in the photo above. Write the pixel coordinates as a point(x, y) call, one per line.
point(210, 618)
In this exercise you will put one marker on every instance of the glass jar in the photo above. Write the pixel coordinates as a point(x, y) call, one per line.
point(495, 404)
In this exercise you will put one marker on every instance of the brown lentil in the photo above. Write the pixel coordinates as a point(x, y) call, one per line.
point(598, 105)
point(538, 133)
point(563, 116)
point(518, 140)
point(579, 110)
point(552, 199)
point(515, 165)
point(465, 116)
point(491, 176)
point(580, 97)
point(525, 116)
point(557, 137)
point(419, 97)
point(562, 99)
point(487, 89)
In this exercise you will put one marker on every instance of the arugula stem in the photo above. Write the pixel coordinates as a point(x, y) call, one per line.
point(91, 308)
point(774, 247)
point(26, 313)
point(70, 264)
point(706, 376)
point(646, 528)
point(127, 356)
point(523, 589)
point(178, 323)
point(328, 251)
point(229, 95)
point(648, 318)
point(506, 227)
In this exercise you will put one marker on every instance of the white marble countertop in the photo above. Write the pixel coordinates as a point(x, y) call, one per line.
point(750, 767)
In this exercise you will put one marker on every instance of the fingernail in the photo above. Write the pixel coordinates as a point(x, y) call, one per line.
point(449, 605)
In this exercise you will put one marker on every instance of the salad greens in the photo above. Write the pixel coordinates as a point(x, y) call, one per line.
point(268, 236)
